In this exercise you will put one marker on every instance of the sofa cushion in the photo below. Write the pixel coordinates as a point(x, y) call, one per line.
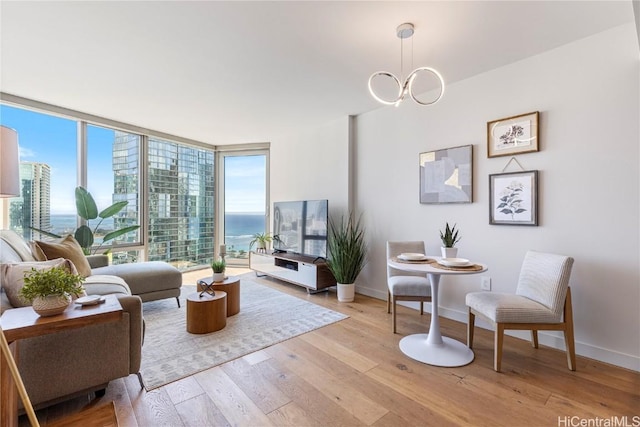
point(13, 248)
point(68, 248)
point(103, 285)
point(145, 277)
point(13, 277)
point(37, 251)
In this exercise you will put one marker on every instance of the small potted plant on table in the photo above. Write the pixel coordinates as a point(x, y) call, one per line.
point(218, 267)
point(50, 290)
point(261, 240)
point(449, 239)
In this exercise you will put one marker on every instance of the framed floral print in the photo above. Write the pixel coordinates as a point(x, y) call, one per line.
point(513, 198)
point(513, 135)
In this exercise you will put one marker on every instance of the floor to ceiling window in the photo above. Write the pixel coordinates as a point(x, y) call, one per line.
point(113, 166)
point(170, 186)
point(245, 202)
point(47, 173)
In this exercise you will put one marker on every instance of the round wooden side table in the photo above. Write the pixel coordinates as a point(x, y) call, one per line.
point(206, 313)
point(230, 285)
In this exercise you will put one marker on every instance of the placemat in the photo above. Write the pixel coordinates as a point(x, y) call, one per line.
point(406, 261)
point(474, 267)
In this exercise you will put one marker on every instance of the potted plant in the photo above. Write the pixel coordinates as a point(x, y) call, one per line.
point(261, 240)
point(218, 267)
point(347, 252)
point(87, 209)
point(50, 290)
point(449, 239)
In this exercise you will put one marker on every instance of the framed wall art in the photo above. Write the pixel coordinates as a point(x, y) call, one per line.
point(446, 176)
point(513, 198)
point(513, 135)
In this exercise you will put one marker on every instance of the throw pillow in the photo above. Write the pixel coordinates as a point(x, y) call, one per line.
point(37, 253)
point(68, 248)
point(13, 276)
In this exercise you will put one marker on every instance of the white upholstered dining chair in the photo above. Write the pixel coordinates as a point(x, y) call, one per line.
point(403, 285)
point(542, 302)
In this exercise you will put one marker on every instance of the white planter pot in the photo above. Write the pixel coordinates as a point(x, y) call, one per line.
point(218, 277)
point(50, 305)
point(346, 293)
point(449, 252)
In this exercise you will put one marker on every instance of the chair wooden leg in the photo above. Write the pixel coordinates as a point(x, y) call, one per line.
point(497, 350)
point(421, 308)
point(470, 328)
point(394, 309)
point(534, 338)
point(568, 332)
point(388, 301)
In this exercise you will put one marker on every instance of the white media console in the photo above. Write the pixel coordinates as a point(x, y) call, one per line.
point(298, 269)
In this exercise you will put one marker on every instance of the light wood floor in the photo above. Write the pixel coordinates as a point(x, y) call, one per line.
point(352, 373)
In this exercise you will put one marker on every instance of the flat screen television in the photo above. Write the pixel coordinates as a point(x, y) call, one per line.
point(301, 227)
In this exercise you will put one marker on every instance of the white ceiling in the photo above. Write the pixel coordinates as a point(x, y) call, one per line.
point(234, 72)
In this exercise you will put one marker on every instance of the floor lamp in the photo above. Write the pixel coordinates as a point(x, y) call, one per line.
point(10, 187)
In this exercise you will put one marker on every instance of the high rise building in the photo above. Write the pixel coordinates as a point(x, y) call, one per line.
point(126, 176)
point(32, 209)
point(180, 198)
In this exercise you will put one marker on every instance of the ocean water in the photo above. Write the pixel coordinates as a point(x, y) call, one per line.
point(239, 228)
point(63, 224)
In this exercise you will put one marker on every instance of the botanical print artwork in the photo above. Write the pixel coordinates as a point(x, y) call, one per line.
point(512, 135)
point(513, 198)
point(511, 202)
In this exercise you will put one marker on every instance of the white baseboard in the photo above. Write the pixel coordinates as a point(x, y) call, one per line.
point(548, 338)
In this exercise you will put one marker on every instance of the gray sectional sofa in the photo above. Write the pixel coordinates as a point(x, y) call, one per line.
point(151, 280)
point(65, 364)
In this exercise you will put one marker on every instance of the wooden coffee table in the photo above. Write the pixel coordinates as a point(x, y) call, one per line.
point(205, 312)
point(230, 285)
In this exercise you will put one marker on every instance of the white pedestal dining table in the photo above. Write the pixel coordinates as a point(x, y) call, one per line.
point(432, 348)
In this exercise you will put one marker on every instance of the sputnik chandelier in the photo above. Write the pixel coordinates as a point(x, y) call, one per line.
point(405, 31)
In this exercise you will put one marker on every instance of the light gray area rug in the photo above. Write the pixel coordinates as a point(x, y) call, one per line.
point(266, 317)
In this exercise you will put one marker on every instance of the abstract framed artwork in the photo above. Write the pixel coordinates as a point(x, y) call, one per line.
point(446, 176)
point(513, 135)
point(513, 198)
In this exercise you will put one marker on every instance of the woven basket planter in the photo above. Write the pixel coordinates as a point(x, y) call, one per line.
point(50, 305)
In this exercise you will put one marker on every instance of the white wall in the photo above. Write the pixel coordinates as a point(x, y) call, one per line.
point(588, 95)
point(636, 13)
point(312, 165)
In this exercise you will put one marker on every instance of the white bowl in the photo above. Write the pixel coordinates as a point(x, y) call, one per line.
point(454, 262)
point(411, 256)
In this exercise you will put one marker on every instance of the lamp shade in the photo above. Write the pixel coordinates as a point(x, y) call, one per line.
point(9, 164)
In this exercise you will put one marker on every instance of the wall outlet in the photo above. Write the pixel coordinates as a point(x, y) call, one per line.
point(485, 283)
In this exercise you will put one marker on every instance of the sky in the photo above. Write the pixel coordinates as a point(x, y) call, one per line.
point(52, 140)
